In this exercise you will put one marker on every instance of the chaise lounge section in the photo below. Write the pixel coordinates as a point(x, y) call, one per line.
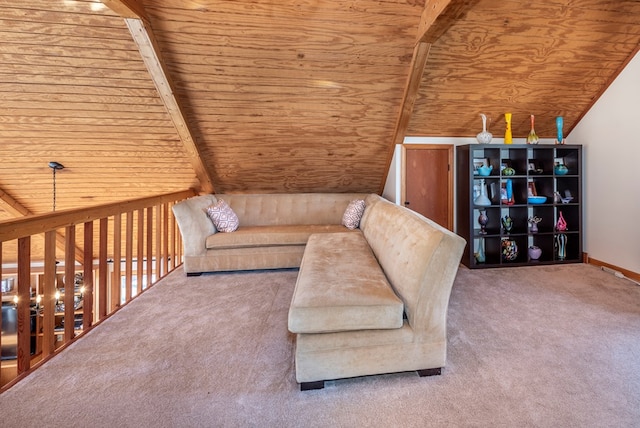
point(352, 289)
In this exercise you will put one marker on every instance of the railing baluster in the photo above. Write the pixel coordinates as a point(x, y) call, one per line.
point(87, 313)
point(150, 245)
point(173, 231)
point(49, 294)
point(165, 242)
point(179, 246)
point(117, 262)
point(128, 262)
point(102, 268)
point(158, 243)
point(24, 294)
point(69, 283)
point(140, 253)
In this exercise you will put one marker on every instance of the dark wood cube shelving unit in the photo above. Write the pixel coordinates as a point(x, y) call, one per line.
point(534, 166)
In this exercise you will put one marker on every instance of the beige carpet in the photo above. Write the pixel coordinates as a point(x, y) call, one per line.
point(547, 346)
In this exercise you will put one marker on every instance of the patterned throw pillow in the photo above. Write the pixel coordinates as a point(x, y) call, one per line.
point(353, 214)
point(223, 217)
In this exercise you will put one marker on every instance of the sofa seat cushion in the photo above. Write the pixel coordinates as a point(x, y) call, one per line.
point(265, 236)
point(341, 287)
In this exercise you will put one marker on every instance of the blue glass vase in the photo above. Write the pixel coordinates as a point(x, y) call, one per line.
point(559, 125)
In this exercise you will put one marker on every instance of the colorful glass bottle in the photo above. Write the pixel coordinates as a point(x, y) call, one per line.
point(508, 138)
point(559, 125)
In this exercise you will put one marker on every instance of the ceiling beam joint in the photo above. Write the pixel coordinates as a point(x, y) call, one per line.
point(127, 8)
point(16, 209)
point(439, 15)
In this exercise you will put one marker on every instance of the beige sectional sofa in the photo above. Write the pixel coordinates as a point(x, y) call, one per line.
point(367, 301)
point(273, 232)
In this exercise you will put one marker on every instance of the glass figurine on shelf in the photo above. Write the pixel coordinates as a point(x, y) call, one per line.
point(507, 223)
point(561, 246)
point(479, 255)
point(561, 225)
point(482, 221)
point(533, 223)
point(482, 199)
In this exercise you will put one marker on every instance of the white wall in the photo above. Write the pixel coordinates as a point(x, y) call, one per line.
point(610, 134)
point(391, 190)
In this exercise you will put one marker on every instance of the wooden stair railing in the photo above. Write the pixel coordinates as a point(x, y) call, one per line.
point(151, 241)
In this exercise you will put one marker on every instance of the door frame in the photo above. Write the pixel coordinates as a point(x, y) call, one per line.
point(403, 174)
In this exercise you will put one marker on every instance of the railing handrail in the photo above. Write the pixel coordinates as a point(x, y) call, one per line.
point(40, 223)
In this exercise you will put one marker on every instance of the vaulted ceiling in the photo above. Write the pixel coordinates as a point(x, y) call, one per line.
point(141, 97)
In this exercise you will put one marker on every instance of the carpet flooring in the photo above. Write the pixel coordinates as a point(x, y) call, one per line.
point(544, 346)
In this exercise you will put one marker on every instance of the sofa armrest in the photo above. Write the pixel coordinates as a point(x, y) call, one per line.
point(195, 226)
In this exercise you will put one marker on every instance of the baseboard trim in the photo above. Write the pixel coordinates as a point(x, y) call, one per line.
point(634, 276)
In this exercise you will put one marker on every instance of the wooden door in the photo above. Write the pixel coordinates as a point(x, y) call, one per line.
point(427, 181)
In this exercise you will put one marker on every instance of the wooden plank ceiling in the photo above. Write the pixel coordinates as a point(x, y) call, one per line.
point(547, 58)
point(275, 95)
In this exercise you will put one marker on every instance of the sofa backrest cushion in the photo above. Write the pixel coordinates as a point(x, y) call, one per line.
point(419, 257)
point(289, 209)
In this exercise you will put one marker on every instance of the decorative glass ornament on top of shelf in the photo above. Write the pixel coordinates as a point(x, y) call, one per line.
point(485, 136)
point(508, 137)
point(559, 125)
point(532, 138)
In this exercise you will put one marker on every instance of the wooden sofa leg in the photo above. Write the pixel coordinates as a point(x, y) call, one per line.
point(194, 273)
point(308, 386)
point(430, 372)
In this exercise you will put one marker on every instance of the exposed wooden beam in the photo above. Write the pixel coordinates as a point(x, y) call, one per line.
point(143, 37)
point(12, 206)
point(418, 63)
point(136, 19)
point(16, 209)
point(439, 15)
point(127, 8)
